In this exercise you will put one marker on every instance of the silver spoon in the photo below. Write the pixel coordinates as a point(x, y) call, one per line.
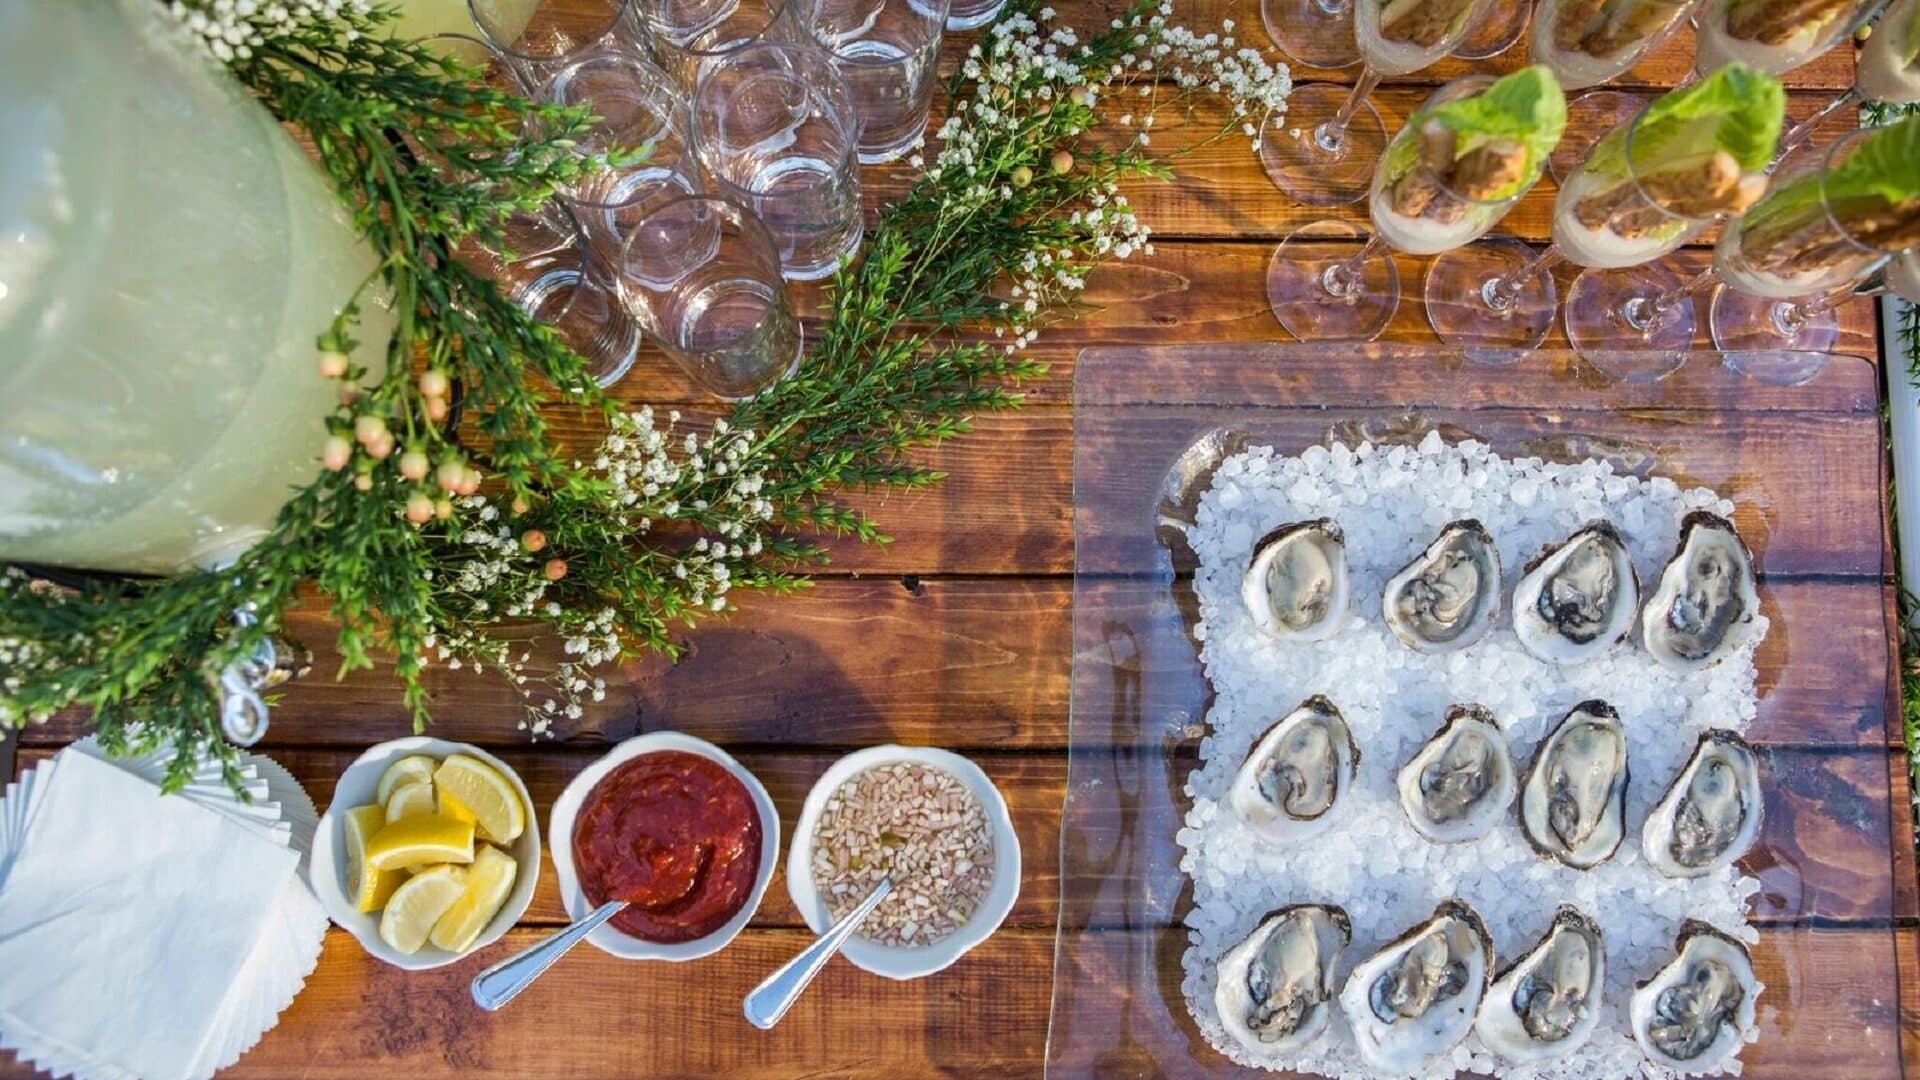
point(503, 981)
point(769, 1001)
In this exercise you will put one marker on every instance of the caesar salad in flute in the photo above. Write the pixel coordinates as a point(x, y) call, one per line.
point(1587, 42)
point(1775, 36)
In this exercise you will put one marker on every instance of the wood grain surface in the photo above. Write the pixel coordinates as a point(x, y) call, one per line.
point(960, 633)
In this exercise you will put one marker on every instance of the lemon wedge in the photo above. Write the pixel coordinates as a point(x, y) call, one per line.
point(410, 800)
point(454, 808)
point(490, 796)
point(415, 769)
point(418, 904)
point(424, 838)
point(489, 880)
point(367, 888)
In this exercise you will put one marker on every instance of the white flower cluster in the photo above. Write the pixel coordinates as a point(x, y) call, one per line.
point(17, 655)
point(646, 467)
point(232, 29)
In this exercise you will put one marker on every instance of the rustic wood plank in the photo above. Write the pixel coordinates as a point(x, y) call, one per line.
point(1822, 854)
point(599, 1017)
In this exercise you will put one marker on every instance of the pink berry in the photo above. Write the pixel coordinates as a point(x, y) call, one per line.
point(333, 363)
point(336, 453)
point(434, 383)
point(419, 508)
point(414, 465)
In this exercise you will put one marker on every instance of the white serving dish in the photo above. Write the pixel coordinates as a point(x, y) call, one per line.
point(357, 787)
point(908, 962)
point(560, 842)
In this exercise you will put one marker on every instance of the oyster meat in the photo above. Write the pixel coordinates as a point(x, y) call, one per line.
point(1275, 989)
point(1703, 608)
point(1298, 774)
point(1448, 597)
point(1574, 803)
point(1296, 586)
point(1577, 599)
point(1458, 785)
point(1710, 815)
point(1698, 1009)
point(1415, 998)
point(1546, 1004)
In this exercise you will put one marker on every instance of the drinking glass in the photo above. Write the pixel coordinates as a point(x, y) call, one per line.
point(1614, 227)
point(972, 14)
point(702, 276)
point(1321, 290)
point(1503, 24)
point(1883, 74)
point(1323, 151)
point(641, 112)
point(544, 266)
point(886, 51)
point(775, 129)
point(540, 36)
point(1312, 33)
point(692, 37)
point(1772, 35)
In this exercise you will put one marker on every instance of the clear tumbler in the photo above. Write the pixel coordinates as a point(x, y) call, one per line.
point(886, 51)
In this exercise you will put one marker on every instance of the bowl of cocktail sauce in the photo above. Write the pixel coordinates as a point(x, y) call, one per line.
point(677, 828)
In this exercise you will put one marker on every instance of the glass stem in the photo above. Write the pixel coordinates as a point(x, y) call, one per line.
point(1641, 312)
point(1798, 135)
point(1344, 281)
point(1332, 135)
point(1501, 292)
point(1792, 316)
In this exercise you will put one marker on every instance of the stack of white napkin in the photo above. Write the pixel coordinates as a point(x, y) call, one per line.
point(144, 935)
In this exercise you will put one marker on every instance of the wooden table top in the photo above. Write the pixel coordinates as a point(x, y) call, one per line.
point(957, 634)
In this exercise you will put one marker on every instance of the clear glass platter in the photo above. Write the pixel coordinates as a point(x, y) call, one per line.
point(1793, 440)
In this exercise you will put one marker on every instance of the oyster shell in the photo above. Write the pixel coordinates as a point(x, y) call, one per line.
point(1296, 586)
point(1703, 608)
point(1577, 599)
point(1711, 813)
point(1416, 997)
point(1573, 806)
point(1458, 785)
point(1275, 989)
point(1448, 597)
point(1298, 774)
point(1546, 1004)
point(1698, 1009)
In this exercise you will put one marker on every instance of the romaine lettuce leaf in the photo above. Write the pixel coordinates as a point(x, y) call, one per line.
point(1527, 107)
point(1737, 109)
point(1882, 168)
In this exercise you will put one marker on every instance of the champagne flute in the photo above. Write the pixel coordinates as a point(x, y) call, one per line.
point(1587, 43)
point(1889, 71)
point(1689, 158)
point(1424, 198)
point(1312, 33)
point(1504, 23)
point(1825, 226)
point(1774, 36)
point(1324, 151)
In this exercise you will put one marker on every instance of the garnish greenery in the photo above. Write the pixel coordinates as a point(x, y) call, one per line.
point(422, 540)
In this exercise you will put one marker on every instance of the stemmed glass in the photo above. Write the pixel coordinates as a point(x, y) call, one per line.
point(1588, 43)
point(1639, 195)
point(1821, 229)
point(1774, 36)
point(1423, 199)
point(1886, 72)
point(1324, 151)
point(1312, 33)
point(1504, 23)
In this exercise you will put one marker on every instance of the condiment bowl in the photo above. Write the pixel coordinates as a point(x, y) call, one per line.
point(908, 961)
point(566, 810)
point(327, 872)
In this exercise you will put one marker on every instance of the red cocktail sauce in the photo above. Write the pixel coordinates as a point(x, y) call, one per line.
point(674, 834)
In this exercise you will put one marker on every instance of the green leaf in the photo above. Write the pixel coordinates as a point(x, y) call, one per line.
point(1883, 165)
point(1738, 109)
point(1526, 106)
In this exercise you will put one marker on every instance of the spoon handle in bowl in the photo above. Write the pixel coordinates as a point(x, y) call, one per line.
point(503, 981)
point(769, 1001)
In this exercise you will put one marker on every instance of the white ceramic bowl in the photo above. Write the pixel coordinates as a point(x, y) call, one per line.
point(560, 842)
point(908, 962)
point(357, 787)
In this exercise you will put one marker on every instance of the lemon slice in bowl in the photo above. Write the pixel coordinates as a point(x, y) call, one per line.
point(491, 797)
point(454, 808)
point(489, 880)
point(411, 800)
point(413, 769)
point(367, 888)
point(417, 905)
point(425, 838)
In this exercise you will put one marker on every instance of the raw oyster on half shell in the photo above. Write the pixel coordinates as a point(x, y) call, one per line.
point(1298, 774)
point(1703, 607)
point(1275, 989)
point(1573, 805)
point(1577, 599)
point(1417, 997)
point(1448, 597)
point(1296, 586)
point(1547, 1003)
point(1698, 1009)
point(1711, 813)
point(1459, 784)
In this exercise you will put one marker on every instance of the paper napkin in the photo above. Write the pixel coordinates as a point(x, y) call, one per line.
point(127, 918)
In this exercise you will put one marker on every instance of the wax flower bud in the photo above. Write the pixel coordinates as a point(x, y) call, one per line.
point(533, 540)
point(437, 409)
point(414, 465)
point(556, 569)
point(443, 508)
point(419, 508)
point(1062, 162)
point(333, 363)
point(368, 427)
point(336, 453)
point(434, 383)
point(1022, 176)
point(450, 473)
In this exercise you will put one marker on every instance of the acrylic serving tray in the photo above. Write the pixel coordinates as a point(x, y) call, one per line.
point(1794, 441)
